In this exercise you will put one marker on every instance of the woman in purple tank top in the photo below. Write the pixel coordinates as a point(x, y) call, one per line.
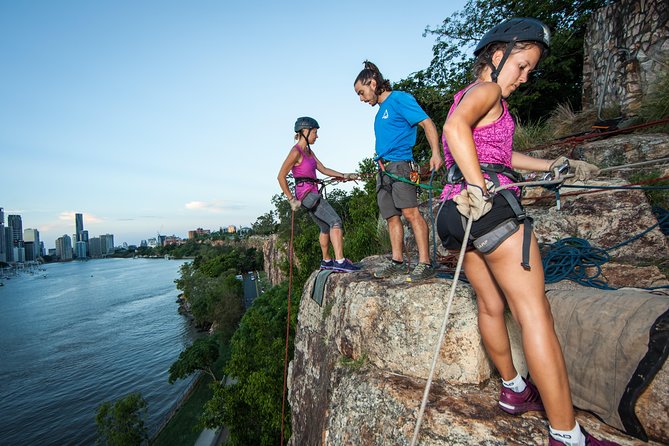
point(478, 136)
point(303, 164)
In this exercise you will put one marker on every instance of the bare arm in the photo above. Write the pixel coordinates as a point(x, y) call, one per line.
point(292, 159)
point(480, 105)
point(325, 170)
point(526, 162)
point(436, 161)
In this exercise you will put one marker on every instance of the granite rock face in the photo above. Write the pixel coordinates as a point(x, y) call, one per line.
point(362, 359)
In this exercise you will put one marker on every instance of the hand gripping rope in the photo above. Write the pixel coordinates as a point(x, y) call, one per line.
point(458, 268)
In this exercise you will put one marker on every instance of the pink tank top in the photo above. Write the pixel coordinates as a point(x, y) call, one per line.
point(493, 142)
point(307, 168)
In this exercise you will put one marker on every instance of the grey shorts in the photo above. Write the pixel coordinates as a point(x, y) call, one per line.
point(393, 195)
point(321, 212)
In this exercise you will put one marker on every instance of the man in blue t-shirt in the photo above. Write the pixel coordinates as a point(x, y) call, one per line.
point(395, 127)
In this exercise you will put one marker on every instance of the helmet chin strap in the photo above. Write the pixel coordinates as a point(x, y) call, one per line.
point(306, 138)
point(496, 69)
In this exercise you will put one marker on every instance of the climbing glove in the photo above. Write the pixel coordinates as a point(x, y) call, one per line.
point(582, 170)
point(471, 202)
point(351, 176)
point(295, 204)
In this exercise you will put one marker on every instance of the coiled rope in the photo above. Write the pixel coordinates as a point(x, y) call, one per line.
point(575, 259)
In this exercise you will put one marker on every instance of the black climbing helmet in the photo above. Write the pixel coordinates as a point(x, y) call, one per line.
point(510, 32)
point(305, 122)
point(516, 30)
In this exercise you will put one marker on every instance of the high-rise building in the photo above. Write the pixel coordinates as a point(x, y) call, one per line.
point(9, 249)
point(64, 247)
point(94, 248)
point(107, 244)
point(32, 235)
point(15, 243)
point(3, 244)
point(80, 248)
point(79, 225)
point(14, 222)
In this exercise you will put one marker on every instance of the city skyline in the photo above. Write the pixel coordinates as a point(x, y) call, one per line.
point(183, 119)
point(78, 224)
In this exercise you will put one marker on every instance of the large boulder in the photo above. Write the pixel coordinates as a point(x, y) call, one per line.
point(362, 359)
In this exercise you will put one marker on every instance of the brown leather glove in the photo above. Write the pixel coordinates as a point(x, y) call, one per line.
point(472, 203)
point(583, 171)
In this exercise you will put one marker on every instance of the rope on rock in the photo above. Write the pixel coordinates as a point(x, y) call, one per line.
point(575, 259)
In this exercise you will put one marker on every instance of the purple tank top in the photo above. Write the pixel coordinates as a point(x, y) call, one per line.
point(493, 142)
point(307, 168)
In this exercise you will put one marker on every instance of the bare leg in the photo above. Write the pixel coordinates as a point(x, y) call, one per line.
point(419, 227)
point(525, 293)
point(336, 238)
point(491, 305)
point(324, 240)
point(396, 232)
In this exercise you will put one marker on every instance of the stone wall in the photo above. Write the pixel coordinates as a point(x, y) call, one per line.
point(630, 40)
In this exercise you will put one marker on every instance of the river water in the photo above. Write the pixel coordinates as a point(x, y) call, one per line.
point(81, 333)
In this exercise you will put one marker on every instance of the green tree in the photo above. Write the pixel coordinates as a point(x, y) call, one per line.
point(122, 423)
point(266, 224)
point(201, 355)
point(557, 81)
point(250, 407)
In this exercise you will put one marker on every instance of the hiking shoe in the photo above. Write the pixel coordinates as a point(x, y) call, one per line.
point(344, 267)
point(516, 403)
point(422, 271)
point(589, 441)
point(390, 269)
point(327, 264)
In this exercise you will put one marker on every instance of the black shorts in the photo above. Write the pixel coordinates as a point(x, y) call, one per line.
point(450, 224)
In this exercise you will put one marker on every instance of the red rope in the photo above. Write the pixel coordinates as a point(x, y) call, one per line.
point(285, 360)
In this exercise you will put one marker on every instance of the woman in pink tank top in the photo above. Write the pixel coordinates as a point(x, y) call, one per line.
point(479, 131)
point(303, 164)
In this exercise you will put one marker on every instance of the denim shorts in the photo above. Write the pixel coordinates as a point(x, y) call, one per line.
point(392, 195)
point(321, 212)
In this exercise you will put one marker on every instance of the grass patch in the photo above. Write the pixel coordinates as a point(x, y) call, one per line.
point(353, 365)
point(183, 427)
point(655, 104)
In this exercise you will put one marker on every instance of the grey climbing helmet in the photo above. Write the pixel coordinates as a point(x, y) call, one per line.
point(521, 29)
point(511, 31)
point(305, 122)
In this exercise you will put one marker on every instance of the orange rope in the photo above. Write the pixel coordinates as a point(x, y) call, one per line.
point(285, 360)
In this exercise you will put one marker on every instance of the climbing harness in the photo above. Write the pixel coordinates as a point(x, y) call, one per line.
point(414, 176)
point(458, 268)
point(493, 238)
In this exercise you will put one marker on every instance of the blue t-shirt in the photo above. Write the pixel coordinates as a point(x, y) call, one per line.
point(395, 126)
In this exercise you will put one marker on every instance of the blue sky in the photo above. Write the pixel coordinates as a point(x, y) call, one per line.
point(151, 116)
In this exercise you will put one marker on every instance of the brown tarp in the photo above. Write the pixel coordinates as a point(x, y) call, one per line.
point(610, 352)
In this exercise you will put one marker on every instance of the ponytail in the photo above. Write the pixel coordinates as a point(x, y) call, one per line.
point(370, 72)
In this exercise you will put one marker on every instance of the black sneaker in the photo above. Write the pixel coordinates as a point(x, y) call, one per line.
point(422, 271)
point(390, 269)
